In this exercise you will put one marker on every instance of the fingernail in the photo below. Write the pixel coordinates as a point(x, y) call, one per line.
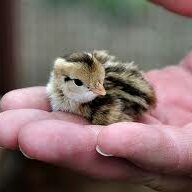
point(28, 157)
point(102, 153)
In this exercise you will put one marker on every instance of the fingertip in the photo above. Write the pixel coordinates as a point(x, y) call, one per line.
point(27, 142)
point(12, 121)
point(38, 140)
point(55, 140)
point(23, 152)
point(8, 131)
point(114, 138)
point(102, 153)
point(145, 145)
point(8, 100)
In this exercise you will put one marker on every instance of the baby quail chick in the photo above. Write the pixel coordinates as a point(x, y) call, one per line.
point(100, 88)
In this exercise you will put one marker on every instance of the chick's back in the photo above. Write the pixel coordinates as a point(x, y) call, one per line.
point(129, 95)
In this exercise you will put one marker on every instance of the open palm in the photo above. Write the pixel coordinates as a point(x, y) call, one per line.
point(155, 151)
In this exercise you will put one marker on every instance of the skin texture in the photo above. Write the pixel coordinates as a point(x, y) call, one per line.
point(155, 151)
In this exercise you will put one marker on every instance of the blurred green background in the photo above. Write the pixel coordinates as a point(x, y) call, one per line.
point(44, 29)
point(131, 29)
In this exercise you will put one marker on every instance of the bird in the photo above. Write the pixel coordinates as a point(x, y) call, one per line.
point(100, 88)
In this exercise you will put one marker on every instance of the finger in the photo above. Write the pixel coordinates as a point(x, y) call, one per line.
point(153, 147)
point(71, 145)
point(183, 7)
point(74, 146)
point(11, 121)
point(34, 97)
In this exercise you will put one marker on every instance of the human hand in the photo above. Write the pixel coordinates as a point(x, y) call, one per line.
point(155, 152)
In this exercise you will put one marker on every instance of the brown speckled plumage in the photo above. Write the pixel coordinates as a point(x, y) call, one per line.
point(128, 93)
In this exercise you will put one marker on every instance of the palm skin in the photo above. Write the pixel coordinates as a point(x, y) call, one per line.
point(155, 151)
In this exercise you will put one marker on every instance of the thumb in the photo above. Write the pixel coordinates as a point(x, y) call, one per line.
point(159, 148)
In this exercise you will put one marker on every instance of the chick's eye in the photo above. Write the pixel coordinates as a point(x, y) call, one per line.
point(78, 82)
point(67, 79)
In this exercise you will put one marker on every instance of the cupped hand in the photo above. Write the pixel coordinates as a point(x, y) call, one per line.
point(155, 151)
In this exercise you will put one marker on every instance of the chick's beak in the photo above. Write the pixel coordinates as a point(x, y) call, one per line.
point(100, 90)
